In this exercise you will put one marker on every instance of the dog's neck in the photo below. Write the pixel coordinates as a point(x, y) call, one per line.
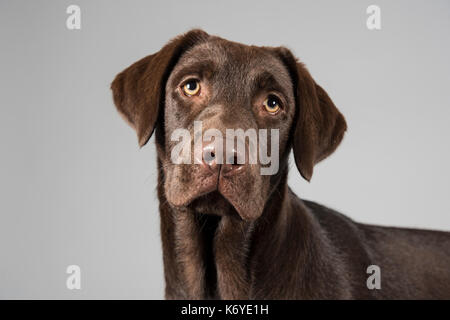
point(222, 257)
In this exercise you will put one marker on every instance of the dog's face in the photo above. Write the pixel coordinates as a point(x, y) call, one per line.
point(198, 88)
point(225, 85)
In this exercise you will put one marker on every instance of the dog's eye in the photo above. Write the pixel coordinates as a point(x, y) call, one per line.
point(191, 87)
point(272, 104)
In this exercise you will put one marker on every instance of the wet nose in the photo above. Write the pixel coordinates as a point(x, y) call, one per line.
point(228, 166)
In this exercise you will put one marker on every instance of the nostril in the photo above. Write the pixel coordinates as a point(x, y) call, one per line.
point(209, 156)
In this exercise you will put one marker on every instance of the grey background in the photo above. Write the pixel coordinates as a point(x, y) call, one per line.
point(76, 189)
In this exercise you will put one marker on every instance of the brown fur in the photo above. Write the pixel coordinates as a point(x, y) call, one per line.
point(248, 236)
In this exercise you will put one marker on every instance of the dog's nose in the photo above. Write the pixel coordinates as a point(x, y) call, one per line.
point(213, 161)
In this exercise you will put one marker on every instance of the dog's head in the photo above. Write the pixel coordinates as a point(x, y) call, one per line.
point(226, 116)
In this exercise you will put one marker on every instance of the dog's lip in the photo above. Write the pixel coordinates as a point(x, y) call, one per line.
point(192, 199)
point(221, 190)
point(211, 186)
point(235, 203)
point(219, 182)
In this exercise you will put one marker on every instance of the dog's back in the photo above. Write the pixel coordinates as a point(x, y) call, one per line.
point(413, 263)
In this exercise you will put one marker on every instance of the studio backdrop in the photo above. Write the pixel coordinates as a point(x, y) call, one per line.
point(79, 195)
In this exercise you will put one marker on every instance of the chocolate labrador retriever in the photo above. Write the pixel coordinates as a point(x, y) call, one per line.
point(230, 231)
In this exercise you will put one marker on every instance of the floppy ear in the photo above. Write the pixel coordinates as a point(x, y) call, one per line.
point(138, 91)
point(319, 126)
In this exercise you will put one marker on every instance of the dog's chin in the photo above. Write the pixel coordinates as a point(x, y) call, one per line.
point(213, 203)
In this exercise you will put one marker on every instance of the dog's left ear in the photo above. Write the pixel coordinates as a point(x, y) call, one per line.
point(138, 91)
point(319, 126)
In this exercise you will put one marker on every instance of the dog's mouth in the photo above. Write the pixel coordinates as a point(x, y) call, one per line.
point(213, 203)
point(215, 193)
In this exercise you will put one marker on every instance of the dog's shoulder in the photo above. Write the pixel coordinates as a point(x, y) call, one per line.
point(343, 232)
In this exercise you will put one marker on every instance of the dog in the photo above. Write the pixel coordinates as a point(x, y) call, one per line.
point(230, 232)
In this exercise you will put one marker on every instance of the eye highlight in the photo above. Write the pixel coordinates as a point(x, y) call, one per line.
point(272, 104)
point(191, 87)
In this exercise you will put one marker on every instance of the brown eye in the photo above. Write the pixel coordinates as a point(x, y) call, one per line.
point(272, 104)
point(191, 88)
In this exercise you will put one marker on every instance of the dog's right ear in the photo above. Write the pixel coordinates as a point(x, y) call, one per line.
point(138, 91)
